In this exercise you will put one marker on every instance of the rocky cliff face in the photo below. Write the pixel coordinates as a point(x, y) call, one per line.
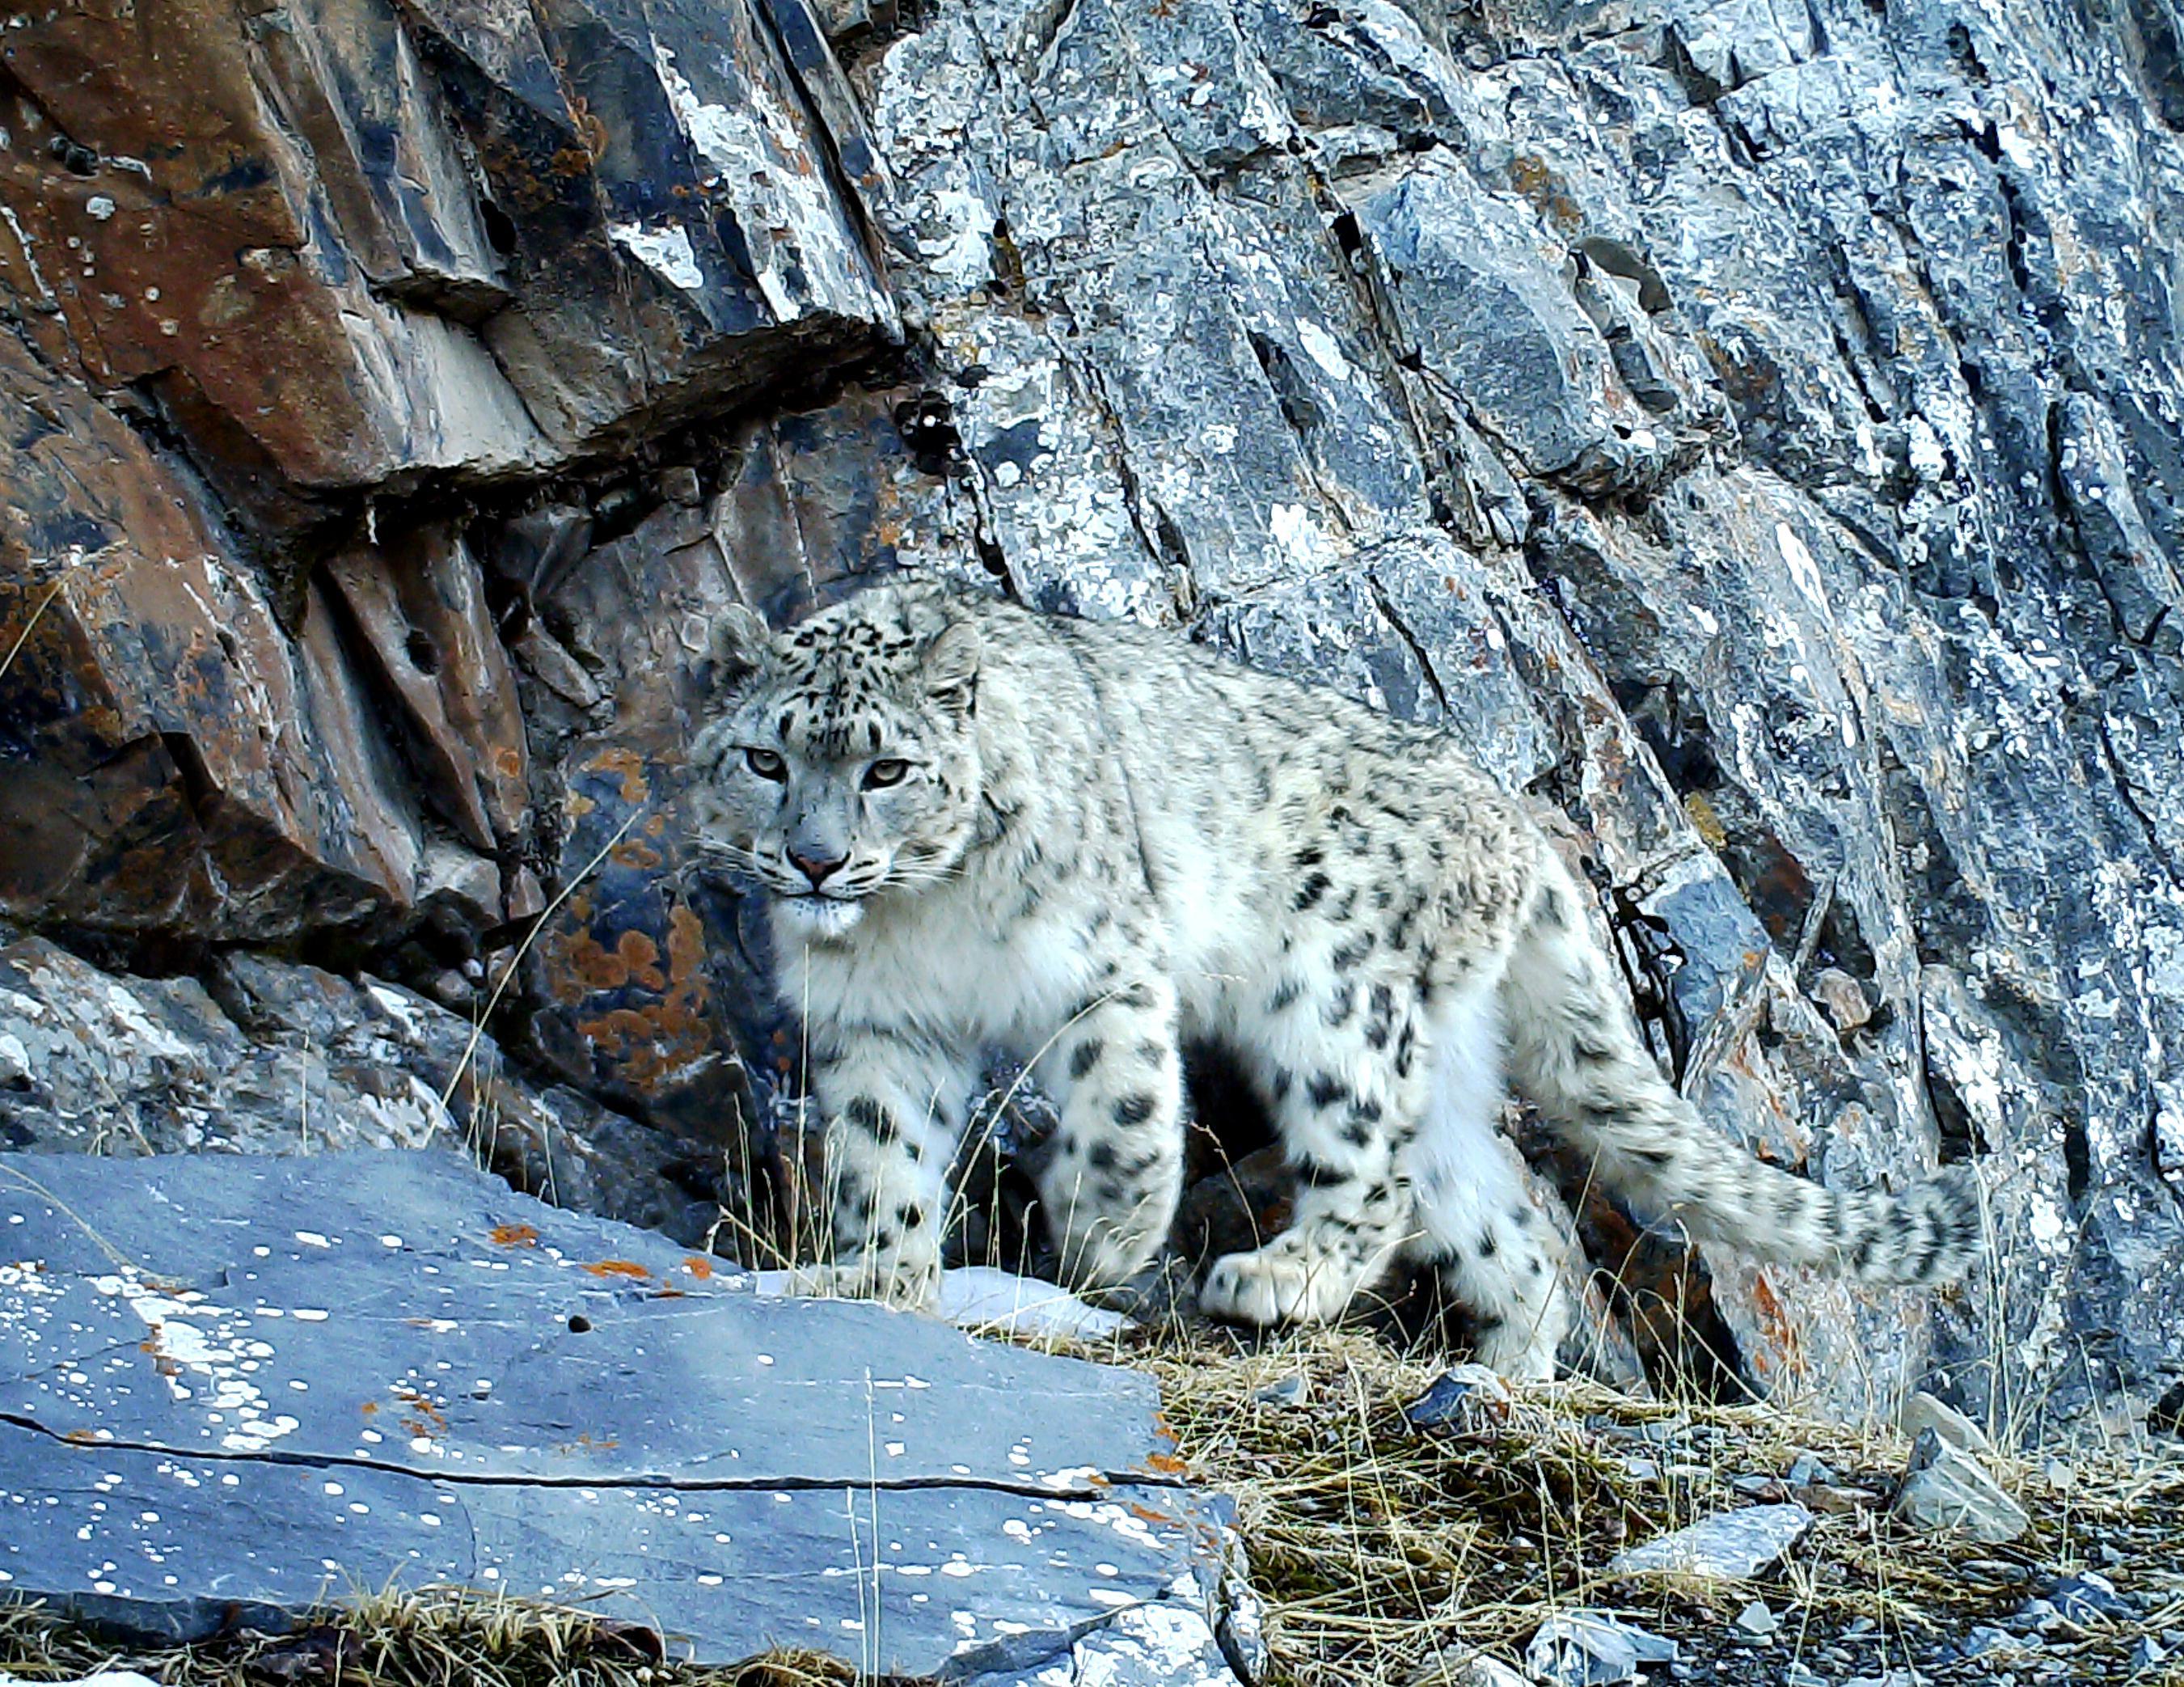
point(1755, 428)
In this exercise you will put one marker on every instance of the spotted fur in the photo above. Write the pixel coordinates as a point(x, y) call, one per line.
point(1086, 844)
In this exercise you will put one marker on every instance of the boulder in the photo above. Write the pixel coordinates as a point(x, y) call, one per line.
point(378, 240)
point(267, 1058)
point(234, 1387)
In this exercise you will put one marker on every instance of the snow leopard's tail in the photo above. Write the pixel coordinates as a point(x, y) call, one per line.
point(1574, 1052)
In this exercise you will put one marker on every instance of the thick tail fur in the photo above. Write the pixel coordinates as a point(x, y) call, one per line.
point(1575, 1054)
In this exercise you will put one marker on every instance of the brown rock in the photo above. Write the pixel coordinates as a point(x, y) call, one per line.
point(418, 604)
point(187, 258)
point(1842, 998)
point(181, 765)
point(282, 231)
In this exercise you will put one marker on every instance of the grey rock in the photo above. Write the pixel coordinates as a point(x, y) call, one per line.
point(2088, 1596)
point(1494, 321)
point(1923, 1411)
point(2035, 1618)
point(1469, 1399)
point(1586, 1648)
point(271, 1058)
point(144, 1066)
point(1289, 1391)
point(1733, 1544)
point(1462, 1667)
point(1757, 1620)
point(228, 1382)
point(1658, 1432)
point(1984, 1638)
point(1144, 1646)
point(1946, 1488)
point(1242, 1630)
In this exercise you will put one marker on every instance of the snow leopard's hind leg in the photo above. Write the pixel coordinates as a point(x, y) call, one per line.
point(1113, 1174)
point(1476, 1224)
point(1575, 1052)
point(1342, 1055)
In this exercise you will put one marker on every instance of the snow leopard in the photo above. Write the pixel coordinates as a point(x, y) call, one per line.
point(1089, 845)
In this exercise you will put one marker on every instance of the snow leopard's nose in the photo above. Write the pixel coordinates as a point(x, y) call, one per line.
point(817, 871)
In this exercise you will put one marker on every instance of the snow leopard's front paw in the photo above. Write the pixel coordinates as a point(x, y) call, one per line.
point(910, 1285)
point(1520, 1352)
point(1278, 1285)
point(1105, 1257)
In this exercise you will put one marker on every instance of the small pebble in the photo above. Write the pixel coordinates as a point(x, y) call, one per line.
point(1469, 1399)
point(1985, 1638)
point(1757, 1620)
point(2087, 1597)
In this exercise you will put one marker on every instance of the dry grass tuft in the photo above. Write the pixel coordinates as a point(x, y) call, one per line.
point(438, 1639)
point(1376, 1548)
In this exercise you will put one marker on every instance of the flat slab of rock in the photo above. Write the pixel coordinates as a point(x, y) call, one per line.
point(1593, 1648)
point(234, 1388)
point(1945, 1488)
point(1735, 1545)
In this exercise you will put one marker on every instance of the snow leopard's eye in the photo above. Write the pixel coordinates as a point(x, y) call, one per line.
point(883, 774)
point(767, 765)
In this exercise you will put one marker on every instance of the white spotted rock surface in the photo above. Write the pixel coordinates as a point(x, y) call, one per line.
point(228, 1383)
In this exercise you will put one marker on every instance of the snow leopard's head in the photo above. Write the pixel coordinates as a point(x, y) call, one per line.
point(843, 761)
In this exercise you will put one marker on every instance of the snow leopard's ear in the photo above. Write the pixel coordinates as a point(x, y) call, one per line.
point(951, 668)
point(741, 643)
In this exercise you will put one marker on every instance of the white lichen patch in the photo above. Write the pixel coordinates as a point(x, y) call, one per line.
point(804, 254)
point(208, 1355)
point(1122, 1519)
point(665, 250)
